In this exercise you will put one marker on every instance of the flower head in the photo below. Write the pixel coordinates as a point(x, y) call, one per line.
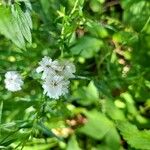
point(68, 69)
point(55, 86)
point(13, 81)
point(48, 67)
point(55, 76)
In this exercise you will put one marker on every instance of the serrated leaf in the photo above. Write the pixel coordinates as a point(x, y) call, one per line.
point(134, 137)
point(97, 126)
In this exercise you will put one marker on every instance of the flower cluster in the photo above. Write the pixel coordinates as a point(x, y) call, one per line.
point(55, 76)
point(13, 81)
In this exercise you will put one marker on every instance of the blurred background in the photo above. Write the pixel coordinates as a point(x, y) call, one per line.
point(108, 106)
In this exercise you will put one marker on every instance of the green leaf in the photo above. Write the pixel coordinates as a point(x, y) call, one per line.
point(112, 111)
point(41, 144)
point(130, 104)
point(87, 47)
point(16, 24)
point(98, 125)
point(73, 144)
point(13, 136)
point(136, 11)
point(10, 28)
point(97, 29)
point(125, 37)
point(92, 91)
point(24, 22)
point(88, 95)
point(112, 139)
point(134, 137)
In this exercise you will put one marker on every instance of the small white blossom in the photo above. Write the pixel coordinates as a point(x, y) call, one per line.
point(48, 67)
point(55, 76)
point(55, 86)
point(13, 81)
point(68, 69)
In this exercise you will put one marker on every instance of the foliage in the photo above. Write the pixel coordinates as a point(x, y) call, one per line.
point(108, 104)
point(137, 139)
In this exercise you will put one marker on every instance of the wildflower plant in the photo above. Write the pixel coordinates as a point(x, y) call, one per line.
point(13, 81)
point(55, 76)
point(74, 74)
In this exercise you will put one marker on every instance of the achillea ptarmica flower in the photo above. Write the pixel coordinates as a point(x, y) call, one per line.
point(48, 67)
point(13, 81)
point(68, 69)
point(55, 86)
point(56, 75)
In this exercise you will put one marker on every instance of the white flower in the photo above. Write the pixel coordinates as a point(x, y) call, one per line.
point(48, 67)
point(13, 81)
point(55, 76)
point(68, 69)
point(55, 86)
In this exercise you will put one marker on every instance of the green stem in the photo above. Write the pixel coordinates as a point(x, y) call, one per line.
point(146, 24)
point(1, 109)
point(74, 8)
